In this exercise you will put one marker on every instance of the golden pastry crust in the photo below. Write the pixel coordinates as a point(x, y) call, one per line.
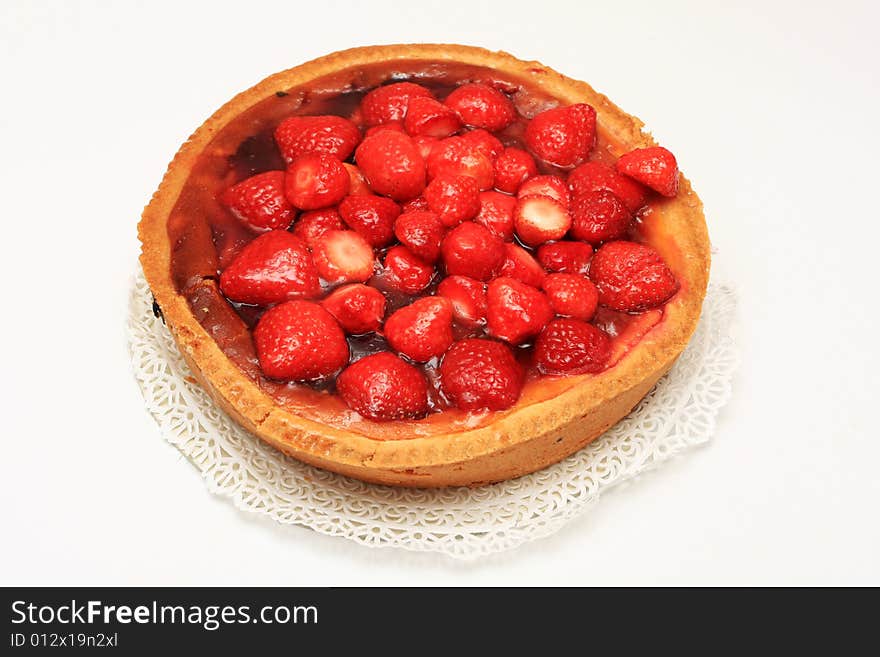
point(525, 438)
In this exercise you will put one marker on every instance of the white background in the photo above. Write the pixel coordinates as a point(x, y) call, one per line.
point(771, 108)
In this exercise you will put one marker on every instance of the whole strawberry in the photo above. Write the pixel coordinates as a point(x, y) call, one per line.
point(516, 311)
point(496, 213)
point(390, 102)
point(482, 106)
point(330, 135)
point(459, 156)
point(299, 341)
point(599, 217)
point(472, 250)
point(468, 298)
point(405, 272)
point(570, 346)
point(422, 330)
point(595, 176)
point(512, 168)
point(566, 257)
point(572, 295)
point(392, 164)
point(519, 264)
point(484, 142)
point(316, 181)
point(259, 202)
point(274, 267)
point(631, 277)
point(313, 224)
point(455, 198)
point(372, 217)
point(655, 167)
point(481, 374)
point(384, 387)
point(343, 256)
point(358, 308)
point(430, 118)
point(562, 136)
point(421, 232)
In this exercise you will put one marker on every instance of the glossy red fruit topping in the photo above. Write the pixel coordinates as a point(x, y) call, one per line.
point(343, 256)
point(593, 176)
point(482, 106)
point(519, 264)
point(299, 341)
point(552, 186)
point(516, 311)
point(655, 167)
point(572, 295)
point(390, 102)
point(313, 224)
point(477, 374)
point(358, 308)
point(512, 168)
point(259, 202)
point(570, 346)
point(330, 135)
point(417, 203)
point(431, 118)
point(372, 217)
point(472, 250)
point(468, 297)
point(274, 267)
point(496, 213)
point(566, 257)
point(422, 330)
point(631, 277)
point(539, 219)
point(359, 186)
point(316, 181)
point(599, 217)
point(484, 141)
point(455, 198)
point(405, 272)
point(392, 164)
point(563, 136)
point(384, 387)
point(421, 232)
point(456, 156)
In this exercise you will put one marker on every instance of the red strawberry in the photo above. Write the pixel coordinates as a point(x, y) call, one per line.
point(593, 176)
point(483, 141)
point(259, 202)
point(316, 181)
point(274, 267)
point(417, 203)
point(539, 219)
point(343, 256)
point(421, 232)
point(425, 145)
point(371, 216)
point(477, 373)
point(456, 156)
point(422, 330)
point(330, 135)
point(496, 213)
point(519, 264)
point(396, 126)
point(481, 106)
point(631, 277)
point(566, 257)
point(384, 387)
point(655, 167)
point(512, 168)
point(570, 346)
point(431, 118)
point(468, 298)
point(599, 217)
point(358, 308)
point(390, 102)
point(572, 295)
point(472, 250)
point(313, 224)
point(516, 311)
point(299, 341)
point(405, 272)
point(454, 198)
point(563, 136)
point(392, 165)
point(552, 186)
point(359, 186)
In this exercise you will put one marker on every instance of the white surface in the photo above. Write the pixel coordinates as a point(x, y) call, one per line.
point(771, 110)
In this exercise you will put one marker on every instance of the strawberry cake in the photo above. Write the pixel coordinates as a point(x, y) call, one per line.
point(426, 265)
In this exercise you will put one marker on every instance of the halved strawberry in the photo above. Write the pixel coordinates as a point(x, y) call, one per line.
point(422, 330)
point(358, 308)
point(316, 181)
point(512, 168)
point(599, 217)
point(455, 198)
point(274, 267)
point(571, 346)
point(655, 167)
point(496, 213)
point(477, 373)
point(472, 250)
point(390, 102)
point(482, 106)
point(372, 217)
point(593, 176)
point(392, 165)
point(456, 156)
point(359, 186)
point(516, 312)
point(313, 224)
point(519, 264)
point(631, 277)
point(484, 141)
point(572, 295)
point(539, 219)
point(343, 256)
point(468, 298)
point(405, 272)
point(421, 232)
point(330, 135)
point(259, 202)
point(552, 186)
point(566, 257)
point(431, 118)
point(384, 387)
point(562, 136)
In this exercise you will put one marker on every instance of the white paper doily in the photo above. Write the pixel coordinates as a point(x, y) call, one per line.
point(464, 523)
